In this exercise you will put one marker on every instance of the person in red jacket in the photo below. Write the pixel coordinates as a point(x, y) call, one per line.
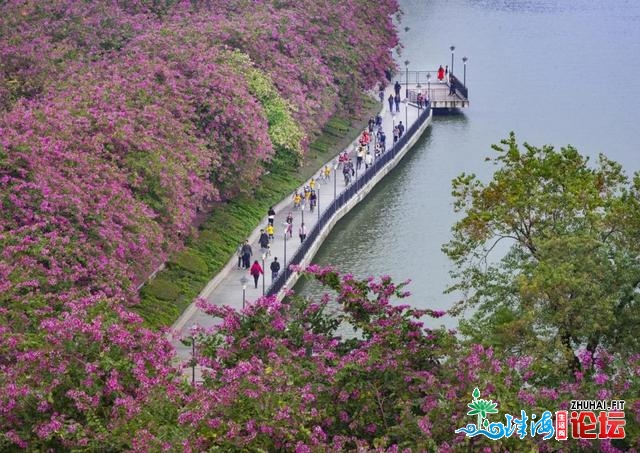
point(255, 271)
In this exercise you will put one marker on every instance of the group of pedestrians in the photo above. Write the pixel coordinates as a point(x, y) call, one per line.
point(245, 252)
point(443, 73)
point(256, 271)
point(398, 130)
point(371, 144)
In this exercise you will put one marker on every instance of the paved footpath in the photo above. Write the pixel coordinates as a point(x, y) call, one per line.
point(226, 289)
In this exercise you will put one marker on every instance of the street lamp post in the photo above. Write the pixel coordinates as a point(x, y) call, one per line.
point(464, 79)
point(429, 85)
point(393, 129)
point(193, 360)
point(285, 256)
point(318, 203)
point(375, 143)
point(406, 113)
point(264, 273)
point(452, 48)
point(335, 180)
point(356, 181)
point(243, 282)
point(406, 78)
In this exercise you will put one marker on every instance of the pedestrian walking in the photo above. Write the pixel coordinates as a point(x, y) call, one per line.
point(397, 88)
point(441, 73)
point(313, 199)
point(390, 103)
point(271, 231)
point(396, 134)
point(271, 215)
point(239, 253)
point(368, 160)
point(360, 156)
point(255, 272)
point(263, 241)
point(246, 254)
point(302, 232)
point(365, 138)
point(378, 150)
point(382, 140)
point(397, 101)
point(452, 86)
point(346, 172)
point(288, 225)
point(275, 268)
point(400, 129)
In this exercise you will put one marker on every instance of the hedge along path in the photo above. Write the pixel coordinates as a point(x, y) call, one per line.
point(165, 297)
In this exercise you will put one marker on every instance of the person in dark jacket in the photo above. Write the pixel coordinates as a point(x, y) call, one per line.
point(275, 268)
point(271, 215)
point(302, 233)
point(246, 254)
point(263, 241)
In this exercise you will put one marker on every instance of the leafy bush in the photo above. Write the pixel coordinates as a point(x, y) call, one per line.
point(162, 289)
point(190, 262)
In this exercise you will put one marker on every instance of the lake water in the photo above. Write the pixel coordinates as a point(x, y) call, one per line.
point(554, 72)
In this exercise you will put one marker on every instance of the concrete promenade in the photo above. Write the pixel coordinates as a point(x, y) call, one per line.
point(226, 288)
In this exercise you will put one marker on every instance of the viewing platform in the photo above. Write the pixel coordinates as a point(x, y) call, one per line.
point(439, 92)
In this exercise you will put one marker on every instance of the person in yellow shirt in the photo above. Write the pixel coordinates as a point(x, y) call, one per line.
point(327, 172)
point(270, 231)
point(312, 183)
point(297, 199)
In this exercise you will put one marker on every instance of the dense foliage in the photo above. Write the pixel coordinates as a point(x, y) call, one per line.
point(359, 371)
point(120, 121)
point(568, 283)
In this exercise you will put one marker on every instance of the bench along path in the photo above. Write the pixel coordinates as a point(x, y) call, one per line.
point(226, 287)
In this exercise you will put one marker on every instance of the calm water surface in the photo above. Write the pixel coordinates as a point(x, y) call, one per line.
point(554, 72)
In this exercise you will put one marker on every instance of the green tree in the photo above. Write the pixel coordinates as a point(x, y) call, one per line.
point(547, 255)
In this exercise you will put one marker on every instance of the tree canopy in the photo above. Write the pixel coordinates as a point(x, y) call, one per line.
point(547, 254)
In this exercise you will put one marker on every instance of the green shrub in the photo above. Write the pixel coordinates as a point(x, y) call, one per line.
point(189, 261)
point(161, 289)
point(337, 127)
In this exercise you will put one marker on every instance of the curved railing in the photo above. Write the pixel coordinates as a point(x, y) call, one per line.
point(347, 194)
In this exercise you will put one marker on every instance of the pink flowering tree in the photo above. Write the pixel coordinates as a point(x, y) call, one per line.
point(357, 369)
point(120, 122)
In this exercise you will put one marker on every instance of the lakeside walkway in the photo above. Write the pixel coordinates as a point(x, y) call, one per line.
point(226, 287)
